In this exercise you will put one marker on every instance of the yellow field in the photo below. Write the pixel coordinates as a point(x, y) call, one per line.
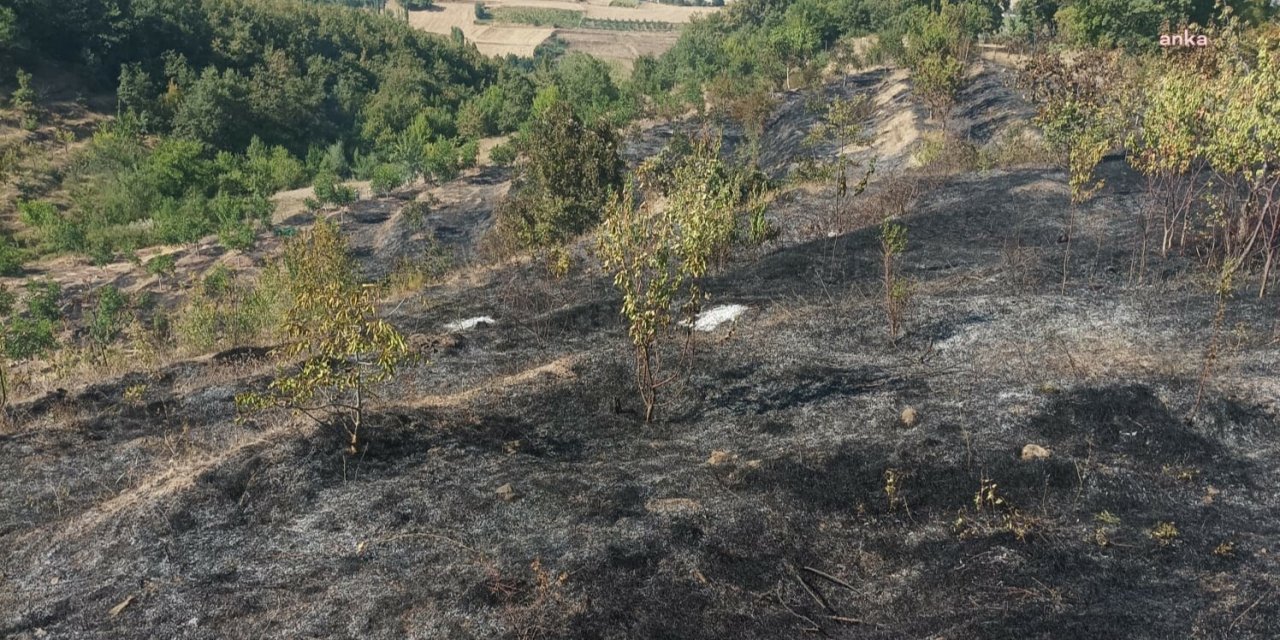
point(493, 40)
point(620, 46)
point(501, 39)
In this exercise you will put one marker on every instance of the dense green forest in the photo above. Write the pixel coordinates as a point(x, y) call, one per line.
point(223, 102)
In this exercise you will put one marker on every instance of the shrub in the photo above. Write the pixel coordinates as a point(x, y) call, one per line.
point(6, 301)
point(28, 337)
point(329, 191)
point(503, 154)
point(225, 312)
point(570, 171)
point(236, 235)
point(10, 258)
point(107, 318)
point(24, 99)
point(386, 178)
point(333, 326)
point(897, 291)
point(39, 214)
point(162, 265)
point(44, 300)
point(659, 254)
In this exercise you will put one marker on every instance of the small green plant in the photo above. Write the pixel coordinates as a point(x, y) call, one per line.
point(658, 255)
point(329, 190)
point(107, 319)
point(759, 228)
point(333, 327)
point(24, 100)
point(237, 235)
point(897, 291)
point(6, 300)
point(44, 300)
point(217, 281)
point(893, 488)
point(385, 178)
point(133, 394)
point(1164, 533)
point(503, 154)
point(10, 258)
point(162, 265)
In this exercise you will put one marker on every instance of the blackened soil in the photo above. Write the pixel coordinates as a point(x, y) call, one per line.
point(155, 514)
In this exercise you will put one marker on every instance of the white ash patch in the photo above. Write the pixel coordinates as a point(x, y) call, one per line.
point(714, 317)
point(469, 323)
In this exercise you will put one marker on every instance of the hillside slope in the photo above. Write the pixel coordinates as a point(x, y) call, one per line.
point(783, 492)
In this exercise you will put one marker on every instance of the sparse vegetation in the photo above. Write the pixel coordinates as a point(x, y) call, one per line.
point(570, 168)
point(338, 348)
point(659, 239)
point(897, 290)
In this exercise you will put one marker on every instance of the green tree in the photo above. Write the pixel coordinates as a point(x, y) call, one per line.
point(584, 82)
point(341, 347)
point(658, 254)
point(570, 169)
point(107, 319)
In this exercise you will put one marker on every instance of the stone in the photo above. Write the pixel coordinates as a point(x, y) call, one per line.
point(507, 493)
point(720, 457)
point(1034, 452)
point(671, 505)
point(909, 417)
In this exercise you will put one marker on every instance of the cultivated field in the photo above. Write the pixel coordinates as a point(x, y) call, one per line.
point(494, 40)
point(503, 38)
point(600, 9)
point(620, 46)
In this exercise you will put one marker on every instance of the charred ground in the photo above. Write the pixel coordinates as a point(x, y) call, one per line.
point(780, 495)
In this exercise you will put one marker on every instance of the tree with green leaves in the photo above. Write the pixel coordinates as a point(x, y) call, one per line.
point(569, 171)
point(661, 235)
point(338, 349)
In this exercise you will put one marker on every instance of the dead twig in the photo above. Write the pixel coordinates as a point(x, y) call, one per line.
point(823, 574)
point(822, 602)
point(1251, 607)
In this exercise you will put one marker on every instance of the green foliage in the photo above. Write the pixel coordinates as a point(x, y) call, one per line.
point(329, 190)
point(417, 5)
point(1079, 108)
point(571, 168)
point(108, 317)
point(387, 177)
point(7, 299)
point(659, 253)
point(897, 291)
point(10, 258)
point(23, 99)
point(585, 83)
point(334, 330)
point(224, 312)
point(236, 235)
point(162, 265)
point(8, 28)
point(503, 154)
point(936, 47)
point(1110, 23)
point(761, 42)
point(31, 334)
point(44, 300)
point(538, 17)
point(26, 337)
